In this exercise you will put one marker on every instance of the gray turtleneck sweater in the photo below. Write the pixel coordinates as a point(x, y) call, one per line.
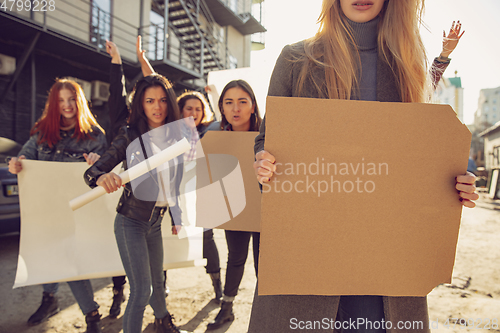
point(365, 35)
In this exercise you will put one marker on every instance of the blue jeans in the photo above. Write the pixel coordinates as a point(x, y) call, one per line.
point(82, 291)
point(141, 250)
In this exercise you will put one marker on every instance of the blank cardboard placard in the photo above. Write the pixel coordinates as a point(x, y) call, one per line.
point(228, 195)
point(58, 244)
point(363, 201)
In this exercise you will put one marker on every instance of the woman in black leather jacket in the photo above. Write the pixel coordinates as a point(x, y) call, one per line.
point(144, 201)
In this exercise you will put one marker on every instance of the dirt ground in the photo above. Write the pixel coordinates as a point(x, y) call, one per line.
point(467, 304)
point(190, 298)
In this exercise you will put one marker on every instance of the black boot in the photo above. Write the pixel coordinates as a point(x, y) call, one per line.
point(48, 308)
point(216, 282)
point(225, 315)
point(118, 299)
point(93, 321)
point(166, 325)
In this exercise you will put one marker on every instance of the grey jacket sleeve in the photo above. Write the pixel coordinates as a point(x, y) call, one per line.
point(281, 84)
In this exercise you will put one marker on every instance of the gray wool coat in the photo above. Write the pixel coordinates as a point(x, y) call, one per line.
point(273, 314)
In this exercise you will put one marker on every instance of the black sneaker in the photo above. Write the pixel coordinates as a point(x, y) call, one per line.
point(47, 309)
point(93, 321)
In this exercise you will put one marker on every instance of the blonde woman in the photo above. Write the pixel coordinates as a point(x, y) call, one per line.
point(365, 50)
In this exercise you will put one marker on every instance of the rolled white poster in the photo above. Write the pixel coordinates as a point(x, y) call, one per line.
point(136, 171)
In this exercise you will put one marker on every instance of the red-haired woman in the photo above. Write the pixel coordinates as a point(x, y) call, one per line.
point(66, 132)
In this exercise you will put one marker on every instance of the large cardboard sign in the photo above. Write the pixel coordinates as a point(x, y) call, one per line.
point(58, 244)
point(228, 195)
point(363, 201)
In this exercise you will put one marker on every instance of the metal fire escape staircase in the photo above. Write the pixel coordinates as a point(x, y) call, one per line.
point(198, 40)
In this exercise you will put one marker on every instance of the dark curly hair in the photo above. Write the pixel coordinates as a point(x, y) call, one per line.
point(137, 117)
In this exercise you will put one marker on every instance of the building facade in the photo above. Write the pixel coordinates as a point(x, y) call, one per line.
point(449, 91)
point(184, 40)
point(491, 138)
point(488, 109)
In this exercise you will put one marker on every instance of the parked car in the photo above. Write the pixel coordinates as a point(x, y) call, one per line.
point(10, 218)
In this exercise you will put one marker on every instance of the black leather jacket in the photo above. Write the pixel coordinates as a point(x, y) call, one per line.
point(129, 205)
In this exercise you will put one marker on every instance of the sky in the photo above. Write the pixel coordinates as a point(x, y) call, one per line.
point(475, 58)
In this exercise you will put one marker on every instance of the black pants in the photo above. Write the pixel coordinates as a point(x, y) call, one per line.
point(118, 281)
point(237, 245)
point(367, 308)
point(210, 252)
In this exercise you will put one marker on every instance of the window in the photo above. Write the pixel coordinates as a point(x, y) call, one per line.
point(233, 62)
point(233, 4)
point(100, 22)
point(220, 37)
point(156, 37)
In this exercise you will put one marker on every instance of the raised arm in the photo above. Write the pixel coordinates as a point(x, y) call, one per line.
point(213, 98)
point(146, 67)
point(118, 111)
point(450, 42)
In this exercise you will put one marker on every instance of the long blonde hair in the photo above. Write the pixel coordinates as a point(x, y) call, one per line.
point(399, 45)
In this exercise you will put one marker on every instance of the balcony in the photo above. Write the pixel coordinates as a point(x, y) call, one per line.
point(236, 14)
point(192, 36)
point(77, 31)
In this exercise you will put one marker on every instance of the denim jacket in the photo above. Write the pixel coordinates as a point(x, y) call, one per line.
point(68, 149)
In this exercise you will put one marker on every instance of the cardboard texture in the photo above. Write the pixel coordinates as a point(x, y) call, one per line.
point(228, 195)
point(58, 244)
point(385, 222)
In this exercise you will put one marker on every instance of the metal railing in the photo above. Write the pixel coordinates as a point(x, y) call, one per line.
point(100, 26)
point(84, 21)
point(258, 11)
point(154, 44)
point(210, 41)
point(237, 6)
